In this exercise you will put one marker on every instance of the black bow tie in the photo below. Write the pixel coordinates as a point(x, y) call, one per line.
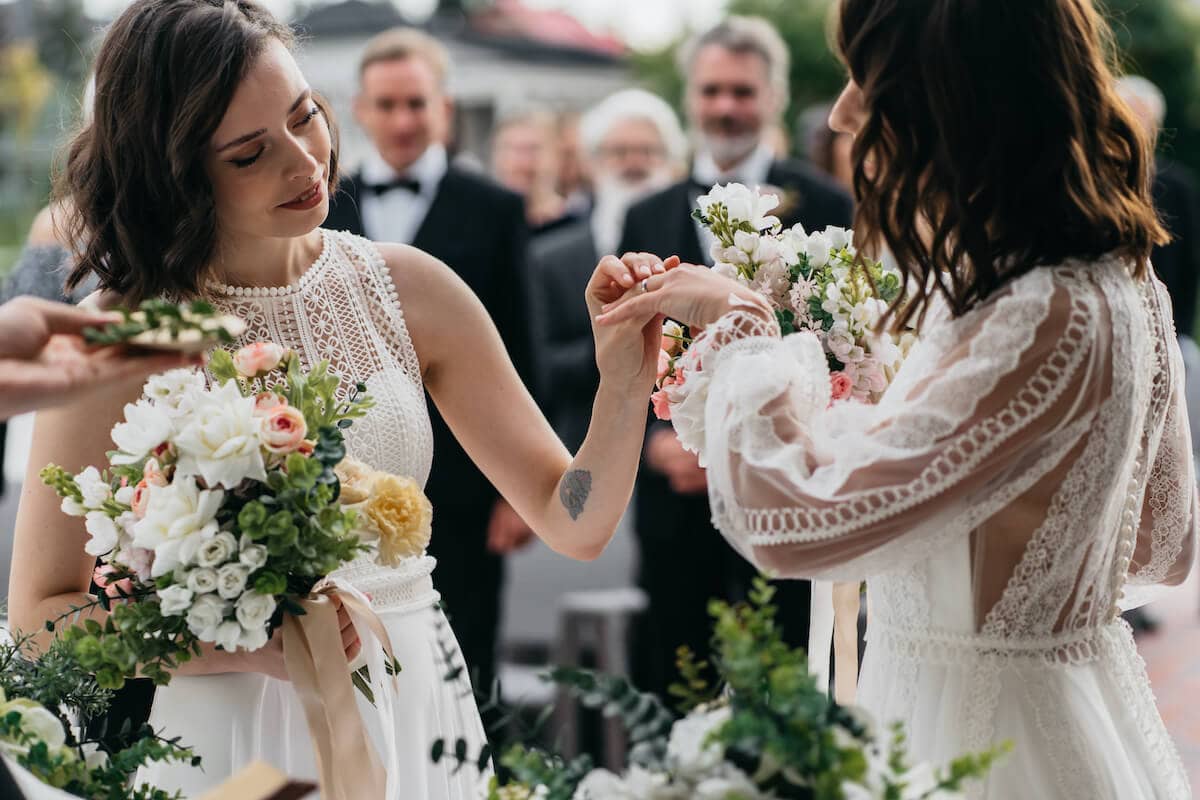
point(408, 184)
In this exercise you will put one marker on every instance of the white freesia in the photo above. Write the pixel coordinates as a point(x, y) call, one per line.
point(175, 600)
point(95, 489)
point(203, 580)
point(817, 250)
point(217, 550)
point(231, 580)
point(180, 518)
point(175, 390)
point(205, 616)
point(742, 205)
point(124, 495)
point(145, 427)
point(72, 507)
point(254, 610)
point(838, 238)
point(726, 270)
point(104, 534)
point(220, 441)
point(688, 749)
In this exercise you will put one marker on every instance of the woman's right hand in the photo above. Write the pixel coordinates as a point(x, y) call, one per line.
point(269, 659)
point(626, 354)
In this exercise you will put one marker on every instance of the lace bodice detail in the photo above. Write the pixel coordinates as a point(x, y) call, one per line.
point(346, 310)
point(1039, 442)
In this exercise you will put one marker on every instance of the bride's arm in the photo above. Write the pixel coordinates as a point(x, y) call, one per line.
point(572, 503)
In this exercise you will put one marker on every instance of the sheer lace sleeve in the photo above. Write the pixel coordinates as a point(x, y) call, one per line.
point(1167, 531)
point(985, 406)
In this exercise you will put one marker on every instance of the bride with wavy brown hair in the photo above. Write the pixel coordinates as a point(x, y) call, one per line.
point(1028, 474)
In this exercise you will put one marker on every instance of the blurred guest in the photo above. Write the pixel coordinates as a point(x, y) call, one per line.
point(574, 180)
point(736, 90)
point(407, 192)
point(525, 159)
point(827, 149)
point(631, 144)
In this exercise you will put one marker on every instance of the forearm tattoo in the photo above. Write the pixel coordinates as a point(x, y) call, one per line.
point(574, 491)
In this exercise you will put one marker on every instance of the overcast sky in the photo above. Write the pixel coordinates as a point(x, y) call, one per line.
point(643, 23)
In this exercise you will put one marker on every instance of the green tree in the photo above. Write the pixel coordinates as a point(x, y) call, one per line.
point(63, 38)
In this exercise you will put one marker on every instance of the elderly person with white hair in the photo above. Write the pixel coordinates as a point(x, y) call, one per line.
point(632, 145)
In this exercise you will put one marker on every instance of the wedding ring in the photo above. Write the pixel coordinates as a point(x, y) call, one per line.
point(645, 285)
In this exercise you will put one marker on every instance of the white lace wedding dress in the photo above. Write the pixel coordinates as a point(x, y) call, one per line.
point(1025, 476)
point(344, 309)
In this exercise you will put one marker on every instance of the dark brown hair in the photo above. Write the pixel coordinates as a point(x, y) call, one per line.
point(140, 206)
point(994, 143)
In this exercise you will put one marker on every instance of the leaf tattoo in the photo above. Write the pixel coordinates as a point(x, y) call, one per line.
point(574, 491)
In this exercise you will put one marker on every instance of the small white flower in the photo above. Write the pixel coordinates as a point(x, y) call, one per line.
point(231, 580)
point(145, 428)
point(104, 533)
point(175, 600)
point(174, 390)
point(838, 238)
point(95, 490)
point(72, 507)
point(254, 610)
point(124, 495)
point(726, 270)
point(600, 784)
point(205, 616)
point(217, 550)
point(817, 250)
point(253, 556)
point(202, 580)
point(688, 749)
point(93, 757)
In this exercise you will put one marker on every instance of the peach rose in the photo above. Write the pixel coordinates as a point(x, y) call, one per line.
point(662, 406)
point(257, 358)
point(840, 385)
point(283, 429)
point(141, 497)
point(355, 478)
point(307, 447)
point(265, 402)
point(664, 364)
point(153, 473)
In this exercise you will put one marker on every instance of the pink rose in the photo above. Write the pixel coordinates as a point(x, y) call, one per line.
point(265, 402)
point(676, 378)
point(664, 363)
point(840, 385)
point(307, 447)
point(662, 406)
point(141, 498)
point(283, 429)
point(153, 474)
point(257, 358)
point(113, 589)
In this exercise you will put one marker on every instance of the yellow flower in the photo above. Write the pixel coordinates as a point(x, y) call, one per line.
point(402, 516)
point(356, 478)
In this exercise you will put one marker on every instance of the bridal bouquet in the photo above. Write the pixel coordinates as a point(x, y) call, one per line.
point(223, 506)
point(766, 732)
point(815, 282)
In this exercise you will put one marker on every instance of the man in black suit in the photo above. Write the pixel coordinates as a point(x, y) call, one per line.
point(407, 192)
point(736, 76)
point(632, 145)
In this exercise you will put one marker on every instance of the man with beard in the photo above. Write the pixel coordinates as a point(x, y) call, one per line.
point(632, 145)
point(737, 88)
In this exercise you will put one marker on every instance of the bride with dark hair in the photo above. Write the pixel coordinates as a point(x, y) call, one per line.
point(206, 171)
point(1028, 474)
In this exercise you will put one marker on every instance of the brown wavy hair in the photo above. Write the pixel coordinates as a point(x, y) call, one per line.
point(994, 143)
point(139, 206)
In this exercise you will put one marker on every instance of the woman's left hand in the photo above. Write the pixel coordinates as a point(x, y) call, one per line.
point(691, 295)
point(626, 354)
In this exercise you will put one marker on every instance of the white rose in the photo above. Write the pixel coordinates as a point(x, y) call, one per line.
point(688, 750)
point(175, 600)
point(228, 634)
point(180, 518)
point(254, 638)
point(220, 441)
point(39, 722)
point(145, 428)
point(231, 580)
point(217, 550)
point(817, 250)
point(174, 390)
point(104, 532)
point(203, 580)
point(95, 490)
point(253, 556)
point(255, 610)
point(205, 616)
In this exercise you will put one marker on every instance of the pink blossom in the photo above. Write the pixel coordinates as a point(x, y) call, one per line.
point(265, 402)
point(114, 589)
point(664, 363)
point(662, 406)
point(257, 358)
point(153, 474)
point(283, 429)
point(141, 498)
point(307, 447)
point(840, 385)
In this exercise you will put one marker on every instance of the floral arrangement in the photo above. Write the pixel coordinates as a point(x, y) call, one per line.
point(158, 324)
point(223, 506)
point(765, 732)
point(40, 737)
point(816, 282)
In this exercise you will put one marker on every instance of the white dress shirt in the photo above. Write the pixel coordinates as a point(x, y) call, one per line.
point(397, 214)
point(751, 171)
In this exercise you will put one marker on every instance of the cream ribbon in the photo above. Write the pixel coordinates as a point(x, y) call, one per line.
point(833, 627)
point(348, 765)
